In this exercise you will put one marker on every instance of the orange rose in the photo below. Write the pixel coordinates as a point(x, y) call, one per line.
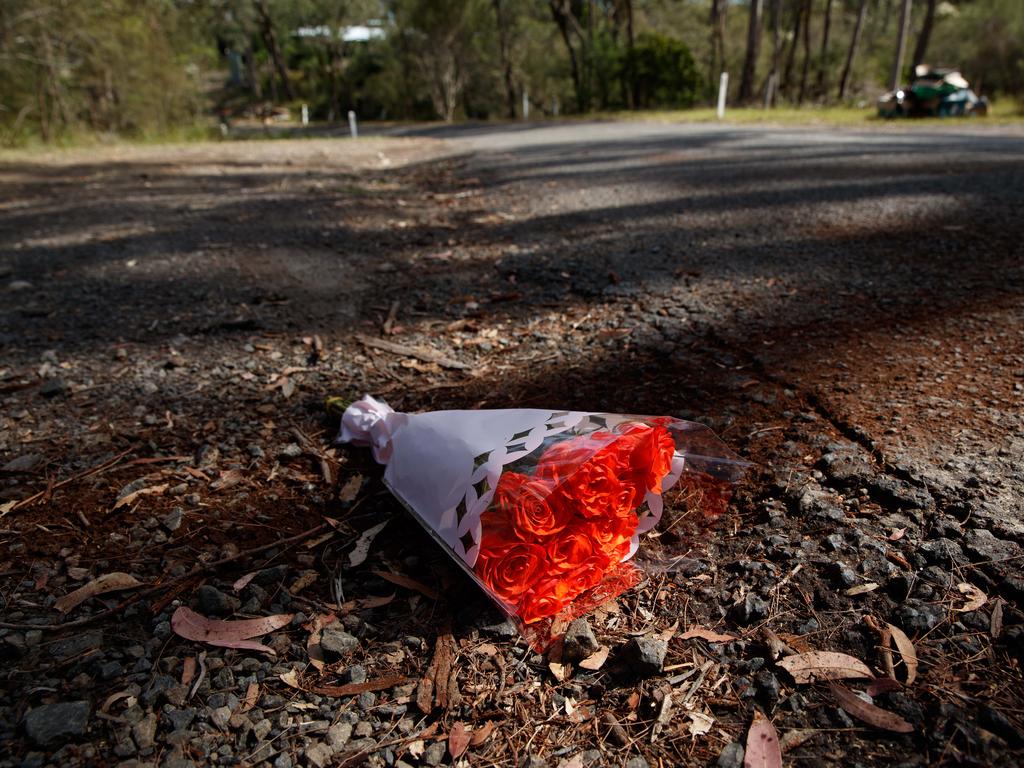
point(521, 504)
point(570, 549)
point(587, 576)
point(511, 570)
point(611, 535)
point(646, 455)
point(564, 457)
point(594, 489)
point(546, 599)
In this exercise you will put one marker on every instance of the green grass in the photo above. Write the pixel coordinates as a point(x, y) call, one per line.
point(1002, 112)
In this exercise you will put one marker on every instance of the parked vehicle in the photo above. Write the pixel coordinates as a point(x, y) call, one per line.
point(933, 92)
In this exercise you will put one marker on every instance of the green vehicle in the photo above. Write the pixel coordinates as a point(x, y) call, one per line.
point(933, 92)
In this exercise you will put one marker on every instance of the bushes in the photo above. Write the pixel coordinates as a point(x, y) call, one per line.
point(662, 73)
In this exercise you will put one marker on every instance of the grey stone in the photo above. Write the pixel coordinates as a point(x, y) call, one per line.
point(213, 602)
point(338, 642)
point(125, 747)
point(356, 674)
point(284, 760)
point(318, 755)
point(636, 762)
point(52, 724)
point(844, 574)
point(731, 756)
point(752, 608)
point(144, 732)
point(532, 761)
point(290, 451)
point(366, 700)
point(363, 729)
point(220, 717)
point(434, 754)
point(579, 641)
point(172, 520)
point(646, 655)
point(53, 387)
point(338, 735)
point(181, 719)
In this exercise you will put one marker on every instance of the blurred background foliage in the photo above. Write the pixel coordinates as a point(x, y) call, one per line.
point(158, 68)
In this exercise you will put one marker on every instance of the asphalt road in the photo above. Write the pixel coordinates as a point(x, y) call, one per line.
point(878, 271)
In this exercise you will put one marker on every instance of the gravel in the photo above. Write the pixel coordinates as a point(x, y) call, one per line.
point(51, 724)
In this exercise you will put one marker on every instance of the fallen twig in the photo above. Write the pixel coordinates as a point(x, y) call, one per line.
point(425, 355)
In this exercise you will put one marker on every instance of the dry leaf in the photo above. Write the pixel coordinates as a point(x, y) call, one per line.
point(241, 584)
point(995, 625)
point(228, 479)
point(486, 649)
point(907, 651)
point(291, 679)
point(458, 740)
point(795, 738)
point(595, 660)
point(869, 713)
point(707, 634)
point(663, 718)
point(976, 598)
point(349, 491)
point(881, 685)
point(252, 695)
point(897, 534)
point(861, 589)
point(109, 582)
point(188, 671)
point(559, 671)
point(352, 689)
point(763, 750)
point(405, 581)
point(823, 665)
point(7, 506)
point(361, 550)
point(226, 634)
point(307, 578)
point(700, 723)
point(481, 734)
point(153, 490)
point(417, 748)
point(116, 697)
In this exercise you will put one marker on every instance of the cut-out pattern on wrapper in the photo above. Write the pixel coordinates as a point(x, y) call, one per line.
point(445, 467)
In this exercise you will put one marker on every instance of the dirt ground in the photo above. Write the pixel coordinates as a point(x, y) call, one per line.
point(843, 309)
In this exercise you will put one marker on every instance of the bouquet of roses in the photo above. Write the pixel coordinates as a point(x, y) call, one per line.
point(543, 508)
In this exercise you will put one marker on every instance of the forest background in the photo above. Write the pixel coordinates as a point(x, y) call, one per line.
point(180, 68)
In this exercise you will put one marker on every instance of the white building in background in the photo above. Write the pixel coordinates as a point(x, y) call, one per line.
point(359, 33)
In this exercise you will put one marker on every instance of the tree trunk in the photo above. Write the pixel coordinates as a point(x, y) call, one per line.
point(252, 75)
point(851, 53)
point(824, 64)
point(901, 46)
point(753, 49)
point(716, 59)
point(921, 49)
point(771, 82)
point(505, 50)
point(270, 40)
point(563, 17)
point(807, 52)
point(630, 45)
point(787, 76)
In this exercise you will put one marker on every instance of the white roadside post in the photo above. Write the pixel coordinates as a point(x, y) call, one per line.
point(723, 88)
point(352, 127)
point(305, 115)
point(526, 104)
